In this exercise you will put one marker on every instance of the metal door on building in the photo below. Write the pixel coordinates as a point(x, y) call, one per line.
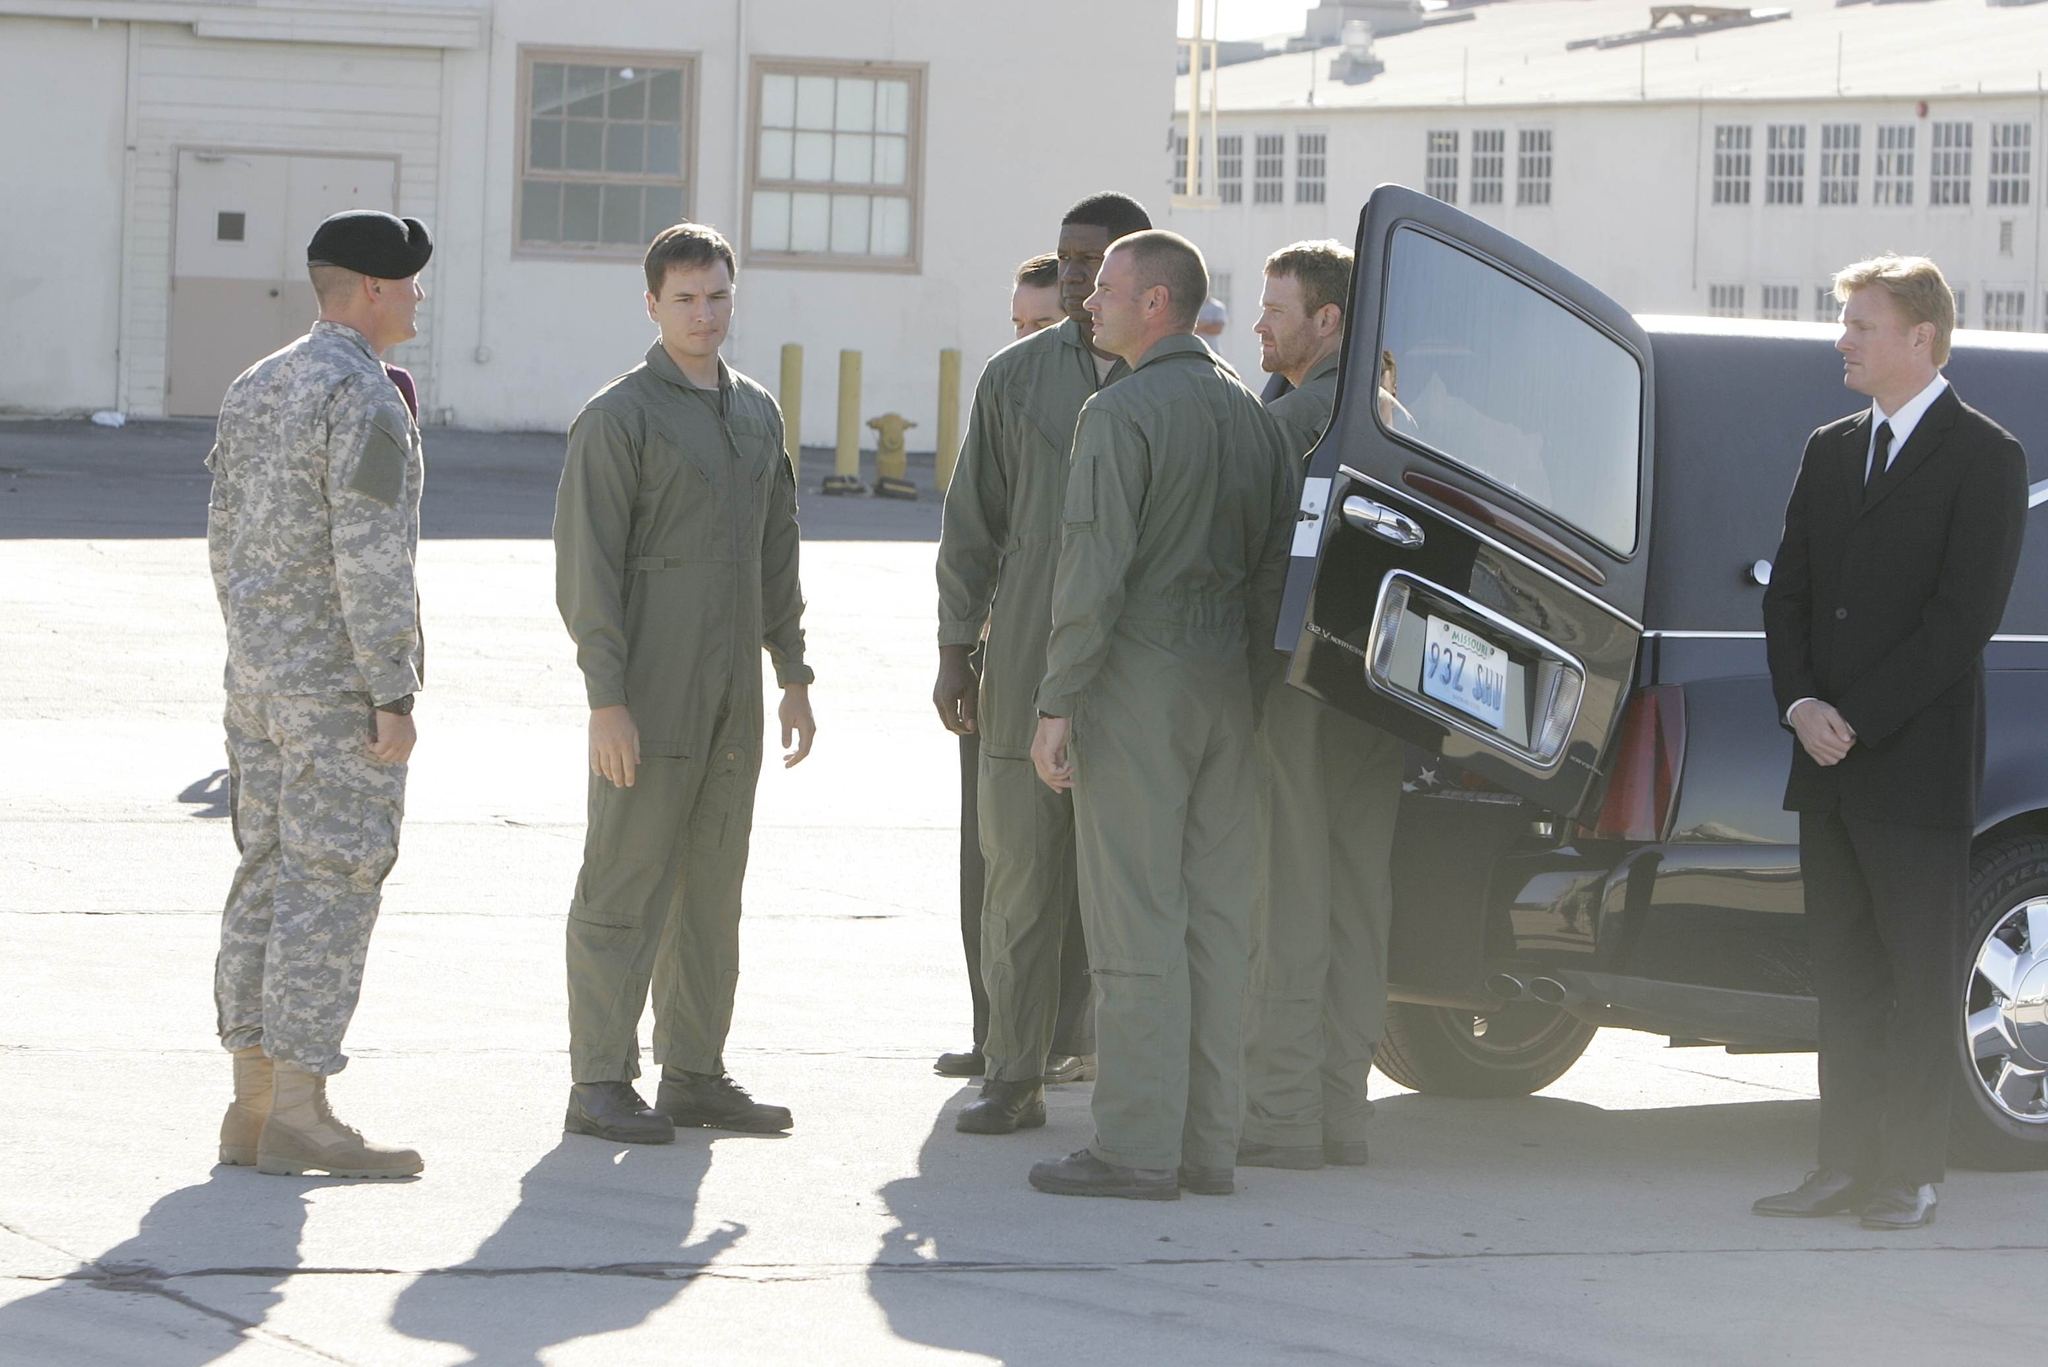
point(238, 277)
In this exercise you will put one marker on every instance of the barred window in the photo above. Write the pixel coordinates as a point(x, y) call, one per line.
point(1962, 297)
point(1724, 301)
point(1269, 168)
point(1311, 160)
point(2012, 163)
point(1948, 164)
point(1178, 185)
point(1489, 164)
point(2005, 310)
point(1229, 167)
point(1826, 308)
point(1440, 165)
point(1781, 302)
point(837, 159)
point(1532, 166)
point(1893, 181)
point(604, 150)
point(1785, 163)
point(1841, 162)
point(1731, 163)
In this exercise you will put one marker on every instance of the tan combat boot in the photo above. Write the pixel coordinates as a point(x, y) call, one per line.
point(303, 1136)
point(242, 1126)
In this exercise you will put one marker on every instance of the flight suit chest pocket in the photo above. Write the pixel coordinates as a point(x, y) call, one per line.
point(664, 459)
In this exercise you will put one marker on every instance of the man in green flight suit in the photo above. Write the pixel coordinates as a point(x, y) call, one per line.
point(997, 552)
point(1329, 792)
point(675, 565)
point(1179, 512)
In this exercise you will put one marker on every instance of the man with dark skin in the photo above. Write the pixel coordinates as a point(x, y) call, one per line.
point(997, 554)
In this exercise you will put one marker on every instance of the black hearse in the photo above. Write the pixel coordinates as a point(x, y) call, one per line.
point(1533, 543)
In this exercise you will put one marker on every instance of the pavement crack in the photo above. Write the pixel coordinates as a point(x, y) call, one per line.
point(142, 1279)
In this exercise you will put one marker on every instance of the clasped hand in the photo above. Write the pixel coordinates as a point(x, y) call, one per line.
point(1823, 731)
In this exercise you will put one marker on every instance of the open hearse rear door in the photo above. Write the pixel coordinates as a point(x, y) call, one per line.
point(1469, 566)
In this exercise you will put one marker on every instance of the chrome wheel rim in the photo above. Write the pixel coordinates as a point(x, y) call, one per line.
point(2005, 1013)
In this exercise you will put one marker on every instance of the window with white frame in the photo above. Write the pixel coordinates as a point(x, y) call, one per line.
point(1532, 166)
point(1785, 163)
point(1229, 167)
point(1962, 295)
point(838, 150)
point(1440, 164)
point(1948, 163)
point(1892, 181)
point(1731, 163)
point(1826, 308)
point(2005, 310)
point(1841, 162)
point(1269, 168)
point(2012, 163)
point(1724, 301)
point(1489, 164)
point(1311, 166)
point(1178, 184)
point(1781, 302)
point(604, 150)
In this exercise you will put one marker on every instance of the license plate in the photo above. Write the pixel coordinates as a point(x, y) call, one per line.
point(1467, 671)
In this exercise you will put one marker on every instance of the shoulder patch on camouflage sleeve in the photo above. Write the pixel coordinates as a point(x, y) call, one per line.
point(380, 472)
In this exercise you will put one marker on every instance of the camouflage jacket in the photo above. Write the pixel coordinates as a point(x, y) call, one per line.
point(314, 523)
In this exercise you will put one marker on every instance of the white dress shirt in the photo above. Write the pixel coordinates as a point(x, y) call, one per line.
point(1903, 422)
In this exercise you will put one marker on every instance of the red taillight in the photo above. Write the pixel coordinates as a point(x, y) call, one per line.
point(1649, 752)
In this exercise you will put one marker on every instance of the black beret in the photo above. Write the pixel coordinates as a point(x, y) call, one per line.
point(373, 243)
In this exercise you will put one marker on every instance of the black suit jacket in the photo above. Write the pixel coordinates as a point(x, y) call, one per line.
point(1882, 601)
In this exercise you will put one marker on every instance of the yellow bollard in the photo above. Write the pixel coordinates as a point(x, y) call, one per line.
point(891, 460)
point(845, 476)
point(792, 398)
point(949, 418)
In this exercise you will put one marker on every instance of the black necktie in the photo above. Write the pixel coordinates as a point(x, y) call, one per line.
point(1880, 454)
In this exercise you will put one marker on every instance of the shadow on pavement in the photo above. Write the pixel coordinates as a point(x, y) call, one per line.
point(71, 480)
point(164, 1265)
point(597, 1243)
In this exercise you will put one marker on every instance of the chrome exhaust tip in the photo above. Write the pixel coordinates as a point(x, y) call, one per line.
point(1551, 992)
point(1507, 987)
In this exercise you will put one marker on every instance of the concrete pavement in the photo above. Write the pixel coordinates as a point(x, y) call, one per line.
point(1604, 1222)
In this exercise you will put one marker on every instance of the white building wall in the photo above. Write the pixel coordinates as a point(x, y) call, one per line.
point(1631, 201)
point(60, 238)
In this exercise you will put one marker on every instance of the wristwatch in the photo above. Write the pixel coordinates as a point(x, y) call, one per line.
point(397, 707)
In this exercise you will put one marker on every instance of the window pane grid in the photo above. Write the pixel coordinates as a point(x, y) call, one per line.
point(1841, 162)
point(1948, 164)
point(1826, 308)
point(1440, 165)
point(1781, 302)
point(1310, 162)
point(1489, 164)
point(1532, 166)
point(1785, 164)
point(833, 164)
point(1724, 301)
point(1229, 166)
point(601, 152)
point(1893, 182)
point(2012, 163)
point(1731, 163)
point(1269, 168)
point(2005, 310)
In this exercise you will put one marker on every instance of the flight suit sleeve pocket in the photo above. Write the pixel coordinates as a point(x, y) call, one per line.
point(380, 469)
point(1080, 492)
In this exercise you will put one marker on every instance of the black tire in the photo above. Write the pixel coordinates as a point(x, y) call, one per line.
point(1519, 1049)
point(2004, 874)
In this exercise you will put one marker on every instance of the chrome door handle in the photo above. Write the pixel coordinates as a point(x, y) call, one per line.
point(1382, 521)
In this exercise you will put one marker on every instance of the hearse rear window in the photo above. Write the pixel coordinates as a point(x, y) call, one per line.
point(1510, 384)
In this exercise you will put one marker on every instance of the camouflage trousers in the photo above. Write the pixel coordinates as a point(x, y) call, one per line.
point(316, 817)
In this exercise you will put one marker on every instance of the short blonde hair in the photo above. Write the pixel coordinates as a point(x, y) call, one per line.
point(1915, 284)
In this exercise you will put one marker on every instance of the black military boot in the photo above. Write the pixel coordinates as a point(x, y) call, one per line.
point(1004, 1108)
point(967, 1063)
point(614, 1111)
point(1081, 1173)
point(713, 1101)
point(1069, 1068)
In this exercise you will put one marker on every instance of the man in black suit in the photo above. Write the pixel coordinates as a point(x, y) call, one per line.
point(1901, 539)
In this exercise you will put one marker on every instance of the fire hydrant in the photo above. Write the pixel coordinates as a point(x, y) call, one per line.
point(891, 473)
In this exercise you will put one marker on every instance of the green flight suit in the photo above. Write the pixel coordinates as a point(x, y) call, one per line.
point(998, 551)
point(1329, 792)
point(1179, 512)
point(675, 564)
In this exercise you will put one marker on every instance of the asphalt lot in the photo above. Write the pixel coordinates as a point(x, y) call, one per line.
point(1605, 1222)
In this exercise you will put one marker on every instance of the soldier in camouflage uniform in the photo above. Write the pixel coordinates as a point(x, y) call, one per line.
point(312, 531)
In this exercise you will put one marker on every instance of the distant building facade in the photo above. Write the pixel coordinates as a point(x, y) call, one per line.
point(881, 166)
point(1725, 168)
